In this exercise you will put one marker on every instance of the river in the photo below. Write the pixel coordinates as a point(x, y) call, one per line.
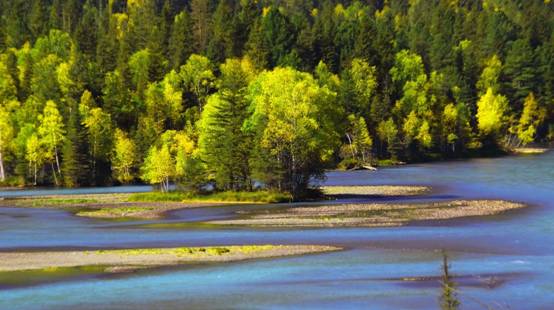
point(501, 262)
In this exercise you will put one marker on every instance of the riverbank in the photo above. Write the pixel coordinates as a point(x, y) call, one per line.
point(370, 214)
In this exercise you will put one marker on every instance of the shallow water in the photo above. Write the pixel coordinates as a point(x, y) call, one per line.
point(504, 261)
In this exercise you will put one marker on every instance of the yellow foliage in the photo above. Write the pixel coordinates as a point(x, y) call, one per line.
point(314, 12)
point(265, 11)
point(339, 10)
point(491, 110)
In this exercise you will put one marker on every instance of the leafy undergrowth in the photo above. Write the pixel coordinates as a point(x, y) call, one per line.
point(255, 197)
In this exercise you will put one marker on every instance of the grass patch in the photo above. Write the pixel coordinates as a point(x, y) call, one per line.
point(114, 212)
point(388, 162)
point(245, 197)
point(52, 202)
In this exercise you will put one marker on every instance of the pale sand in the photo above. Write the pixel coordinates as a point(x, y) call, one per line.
point(530, 150)
point(119, 260)
point(377, 190)
point(373, 214)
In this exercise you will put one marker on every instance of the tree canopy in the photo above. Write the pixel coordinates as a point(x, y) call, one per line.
point(246, 94)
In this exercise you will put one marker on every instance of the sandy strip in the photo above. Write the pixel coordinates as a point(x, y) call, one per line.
point(372, 214)
point(530, 150)
point(118, 260)
point(137, 210)
point(377, 190)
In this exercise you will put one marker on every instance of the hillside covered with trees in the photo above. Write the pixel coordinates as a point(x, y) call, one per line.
point(229, 92)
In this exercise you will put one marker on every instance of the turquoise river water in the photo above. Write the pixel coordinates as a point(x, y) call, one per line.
point(499, 262)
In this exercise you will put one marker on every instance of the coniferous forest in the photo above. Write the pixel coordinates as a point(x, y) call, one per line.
point(237, 93)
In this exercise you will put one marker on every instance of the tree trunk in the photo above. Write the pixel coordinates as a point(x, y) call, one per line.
point(54, 172)
point(2, 173)
point(58, 162)
point(351, 146)
point(35, 173)
point(293, 173)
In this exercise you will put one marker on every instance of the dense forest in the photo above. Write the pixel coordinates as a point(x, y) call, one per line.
point(238, 93)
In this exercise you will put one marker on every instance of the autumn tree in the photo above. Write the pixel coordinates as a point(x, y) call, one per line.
point(530, 120)
point(492, 111)
point(159, 167)
point(124, 157)
point(34, 154)
point(52, 135)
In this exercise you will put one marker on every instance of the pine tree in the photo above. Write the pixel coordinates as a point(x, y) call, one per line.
point(521, 72)
point(222, 143)
point(70, 163)
point(201, 26)
point(221, 43)
point(180, 42)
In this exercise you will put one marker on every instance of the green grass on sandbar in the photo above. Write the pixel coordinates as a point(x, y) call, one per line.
point(114, 212)
point(253, 197)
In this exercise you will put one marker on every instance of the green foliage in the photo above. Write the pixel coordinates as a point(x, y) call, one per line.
point(6, 138)
point(124, 157)
point(139, 65)
point(229, 196)
point(34, 154)
point(358, 86)
point(491, 113)
point(357, 150)
point(530, 120)
point(222, 143)
point(52, 134)
point(159, 167)
point(198, 77)
point(74, 168)
point(388, 132)
point(408, 67)
point(179, 47)
point(490, 76)
point(293, 123)
point(416, 72)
